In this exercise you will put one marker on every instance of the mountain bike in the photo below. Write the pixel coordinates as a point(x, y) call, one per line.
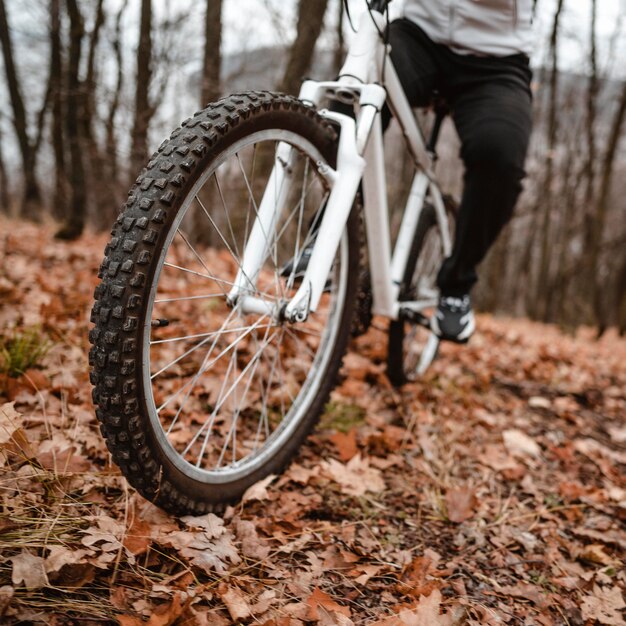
point(215, 347)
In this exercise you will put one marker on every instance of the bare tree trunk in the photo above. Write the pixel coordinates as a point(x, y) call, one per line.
point(101, 190)
point(597, 225)
point(31, 199)
point(5, 195)
point(545, 197)
point(143, 109)
point(310, 20)
point(75, 222)
point(340, 49)
point(59, 195)
point(112, 165)
point(211, 65)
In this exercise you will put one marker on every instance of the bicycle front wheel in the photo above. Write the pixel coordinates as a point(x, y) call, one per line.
point(198, 397)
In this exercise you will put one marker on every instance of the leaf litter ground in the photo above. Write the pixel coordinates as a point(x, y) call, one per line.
point(492, 491)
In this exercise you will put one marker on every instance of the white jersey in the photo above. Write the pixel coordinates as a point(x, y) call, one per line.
point(480, 27)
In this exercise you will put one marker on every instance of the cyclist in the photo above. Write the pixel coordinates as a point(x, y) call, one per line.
point(475, 53)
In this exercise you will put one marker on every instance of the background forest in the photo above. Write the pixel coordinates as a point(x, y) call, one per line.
point(92, 87)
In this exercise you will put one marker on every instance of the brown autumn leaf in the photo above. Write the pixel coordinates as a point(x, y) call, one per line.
point(236, 603)
point(345, 443)
point(167, 614)
point(604, 605)
point(29, 570)
point(356, 477)
point(320, 601)
point(251, 544)
point(595, 553)
point(138, 537)
point(520, 444)
point(64, 462)
point(460, 503)
point(258, 491)
point(6, 595)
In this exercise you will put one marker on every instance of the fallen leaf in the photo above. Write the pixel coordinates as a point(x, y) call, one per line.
point(520, 444)
point(6, 595)
point(460, 503)
point(251, 544)
point(28, 569)
point(321, 600)
point(236, 603)
point(258, 491)
point(345, 444)
point(595, 554)
point(356, 477)
point(605, 606)
point(426, 613)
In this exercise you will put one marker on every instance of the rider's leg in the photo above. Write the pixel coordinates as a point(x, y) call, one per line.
point(493, 118)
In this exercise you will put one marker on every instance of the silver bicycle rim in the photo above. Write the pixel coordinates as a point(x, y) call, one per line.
point(240, 468)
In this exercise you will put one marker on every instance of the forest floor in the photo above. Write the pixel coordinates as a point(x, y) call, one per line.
point(492, 491)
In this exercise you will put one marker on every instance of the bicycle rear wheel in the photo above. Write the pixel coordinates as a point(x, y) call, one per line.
point(197, 397)
point(411, 345)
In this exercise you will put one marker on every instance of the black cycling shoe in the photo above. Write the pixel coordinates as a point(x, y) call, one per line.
point(454, 319)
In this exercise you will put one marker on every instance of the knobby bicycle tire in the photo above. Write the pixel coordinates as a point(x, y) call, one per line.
point(130, 273)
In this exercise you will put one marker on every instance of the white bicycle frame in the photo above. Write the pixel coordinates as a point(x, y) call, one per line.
point(360, 161)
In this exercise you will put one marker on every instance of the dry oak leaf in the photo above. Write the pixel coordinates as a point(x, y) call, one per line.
point(251, 544)
point(425, 613)
point(210, 523)
point(320, 602)
point(356, 477)
point(28, 569)
point(13, 438)
point(60, 556)
point(236, 603)
point(520, 444)
point(138, 537)
point(345, 443)
point(595, 553)
point(258, 491)
point(460, 503)
point(605, 605)
point(6, 595)
point(209, 555)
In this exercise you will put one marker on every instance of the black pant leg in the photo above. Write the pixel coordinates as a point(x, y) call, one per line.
point(493, 119)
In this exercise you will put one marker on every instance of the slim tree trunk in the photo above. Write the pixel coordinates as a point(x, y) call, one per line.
point(143, 109)
point(589, 257)
point(598, 224)
point(31, 198)
point(310, 20)
point(211, 65)
point(5, 195)
point(101, 190)
point(545, 197)
point(75, 222)
point(112, 166)
point(59, 195)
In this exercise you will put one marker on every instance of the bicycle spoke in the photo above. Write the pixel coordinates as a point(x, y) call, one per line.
point(211, 334)
point(205, 296)
point(195, 253)
point(217, 358)
point(219, 405)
